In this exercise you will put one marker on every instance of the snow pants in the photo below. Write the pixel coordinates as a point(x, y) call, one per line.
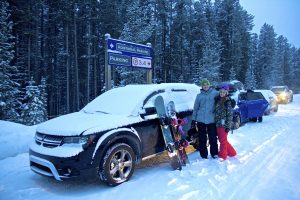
point(209, 130)
point(226, 148)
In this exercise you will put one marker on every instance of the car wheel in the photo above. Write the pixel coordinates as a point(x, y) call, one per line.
point(236, 122)
point(117, 165)
point(260, 119)
point(254, 119)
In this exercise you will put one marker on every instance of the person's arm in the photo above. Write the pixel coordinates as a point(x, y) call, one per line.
point(196, 108)
point(228, 121)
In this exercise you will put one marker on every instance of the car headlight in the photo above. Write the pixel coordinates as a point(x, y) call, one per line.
point(282, 95)
point(76, 140)
point(79, 139)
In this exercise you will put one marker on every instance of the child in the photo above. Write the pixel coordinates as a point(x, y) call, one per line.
point(223, 118)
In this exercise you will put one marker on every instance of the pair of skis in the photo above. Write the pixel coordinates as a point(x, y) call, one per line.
point(176, 143)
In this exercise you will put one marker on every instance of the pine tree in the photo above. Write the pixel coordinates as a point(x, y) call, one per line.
point(8, 87)
point(137, 29)
point(250, 80)
point(266, 55)
point(198, 43)
point(33, 111)
point(43, 96)
point(212, 46)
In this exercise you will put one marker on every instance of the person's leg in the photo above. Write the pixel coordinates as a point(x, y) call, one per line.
point(202, 140)
point(213, 141)
point(222, 136)
point(230, 150)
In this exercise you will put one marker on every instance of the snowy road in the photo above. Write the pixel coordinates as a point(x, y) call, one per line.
point(267, 167)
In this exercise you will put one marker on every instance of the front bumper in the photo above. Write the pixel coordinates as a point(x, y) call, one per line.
point(45, 167)
point(62, 167)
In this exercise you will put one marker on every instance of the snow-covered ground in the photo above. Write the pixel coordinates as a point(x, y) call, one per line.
point(267, 167)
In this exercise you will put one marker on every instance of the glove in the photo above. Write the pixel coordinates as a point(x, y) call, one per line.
point(227, 130)
point(193, 124)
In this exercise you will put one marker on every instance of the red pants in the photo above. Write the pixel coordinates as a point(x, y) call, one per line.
point(225, 147)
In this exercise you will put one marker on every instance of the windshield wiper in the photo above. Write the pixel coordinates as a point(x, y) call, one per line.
point(102, 112)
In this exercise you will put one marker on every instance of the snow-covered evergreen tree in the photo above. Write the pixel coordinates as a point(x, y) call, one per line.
point(138, 29)
point(266, 55)
point(280, 61)
point(250, 79)
point(198, 43)
point(212, 46)
point(206, 46)
point(43, 96)
point(8, 87)
point(33, 111)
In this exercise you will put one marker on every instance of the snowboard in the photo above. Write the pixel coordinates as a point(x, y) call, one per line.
point(180, 136)
point(164, 121)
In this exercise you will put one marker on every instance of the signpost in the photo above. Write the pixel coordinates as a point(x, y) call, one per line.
point(126, 54)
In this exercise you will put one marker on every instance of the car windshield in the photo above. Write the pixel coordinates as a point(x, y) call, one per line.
point(122, 101)
point(277, 89)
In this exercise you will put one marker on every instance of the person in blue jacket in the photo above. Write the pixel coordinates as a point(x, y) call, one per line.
point(203, 119)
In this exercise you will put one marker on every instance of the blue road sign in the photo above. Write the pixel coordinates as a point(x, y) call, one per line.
point(122, 53)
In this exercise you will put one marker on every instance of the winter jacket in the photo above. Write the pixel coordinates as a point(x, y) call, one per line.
point(204, 106)
point(223, 113)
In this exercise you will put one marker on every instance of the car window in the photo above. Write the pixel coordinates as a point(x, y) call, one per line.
point(183, 99)
point(243, 97)
point(149, 101)
point(254, 96)
point(277, 89)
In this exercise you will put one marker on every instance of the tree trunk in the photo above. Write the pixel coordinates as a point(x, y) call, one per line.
point(68, 68)
point(76, 62)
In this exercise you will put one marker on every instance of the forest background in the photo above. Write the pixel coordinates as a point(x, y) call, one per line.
point(52, 52)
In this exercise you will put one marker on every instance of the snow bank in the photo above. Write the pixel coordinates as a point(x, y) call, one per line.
point(15, 138)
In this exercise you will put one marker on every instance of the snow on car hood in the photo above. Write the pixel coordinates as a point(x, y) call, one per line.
point(76, 123)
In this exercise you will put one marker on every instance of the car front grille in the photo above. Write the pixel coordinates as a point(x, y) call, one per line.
point(49, 141)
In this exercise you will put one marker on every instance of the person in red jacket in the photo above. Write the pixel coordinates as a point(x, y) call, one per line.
point(223, 118)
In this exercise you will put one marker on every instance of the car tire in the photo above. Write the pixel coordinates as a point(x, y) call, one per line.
point(260, 119)
point(236, 122)
point(254, 119)
point(117, 165)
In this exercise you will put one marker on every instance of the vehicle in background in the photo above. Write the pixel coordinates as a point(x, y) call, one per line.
point(272, 100)
point(283, 93)
point(250, 106)
point(235, 87)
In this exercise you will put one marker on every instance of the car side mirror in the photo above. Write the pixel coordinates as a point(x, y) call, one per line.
point(148, 111)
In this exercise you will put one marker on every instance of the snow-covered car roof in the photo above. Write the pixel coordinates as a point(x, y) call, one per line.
point(267, 94)
point(129, 99)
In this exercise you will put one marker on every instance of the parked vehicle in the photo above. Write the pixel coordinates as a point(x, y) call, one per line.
point(250, 106)
point(272, 100)
point(110, 135)
point(283, 93)
point(234, 86)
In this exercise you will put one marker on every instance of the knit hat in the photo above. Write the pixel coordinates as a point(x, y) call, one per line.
point(225, 87)
point(205, 82)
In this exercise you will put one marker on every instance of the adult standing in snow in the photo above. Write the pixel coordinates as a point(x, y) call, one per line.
point(203, 119)
point(223, 118)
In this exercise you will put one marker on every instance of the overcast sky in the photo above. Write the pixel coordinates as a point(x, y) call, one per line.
point(284, 15)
